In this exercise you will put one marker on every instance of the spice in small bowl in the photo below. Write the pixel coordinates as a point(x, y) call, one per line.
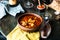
point(41, 8)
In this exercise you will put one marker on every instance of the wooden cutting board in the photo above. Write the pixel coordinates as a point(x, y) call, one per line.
point(18, 34)
point(55, 5)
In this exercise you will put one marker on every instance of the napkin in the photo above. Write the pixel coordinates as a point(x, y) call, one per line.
point(2, 11)
point(18, 34)
point(4, 5)
point(14, 10)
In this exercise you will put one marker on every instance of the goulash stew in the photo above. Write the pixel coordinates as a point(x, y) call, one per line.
point(29, 21)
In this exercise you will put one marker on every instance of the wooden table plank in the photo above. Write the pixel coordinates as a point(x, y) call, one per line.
point(55, 5)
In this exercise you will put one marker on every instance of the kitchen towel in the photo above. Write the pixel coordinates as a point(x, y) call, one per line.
point(18, 34)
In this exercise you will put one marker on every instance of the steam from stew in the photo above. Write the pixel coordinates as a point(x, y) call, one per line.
point(29, 21)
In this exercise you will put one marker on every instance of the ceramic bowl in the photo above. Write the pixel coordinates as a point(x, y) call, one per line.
point(29, 29)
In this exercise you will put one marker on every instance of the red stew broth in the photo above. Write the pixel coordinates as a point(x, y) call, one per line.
point(25, 18)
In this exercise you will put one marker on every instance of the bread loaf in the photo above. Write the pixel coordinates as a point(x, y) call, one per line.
point(12, 2)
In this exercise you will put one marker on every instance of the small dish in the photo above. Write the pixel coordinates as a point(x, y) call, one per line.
point(46, 31)
point(40, 7)
point(28, 5)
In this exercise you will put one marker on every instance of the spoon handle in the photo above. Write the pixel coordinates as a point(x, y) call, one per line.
point(39, 2)
point(44, 23)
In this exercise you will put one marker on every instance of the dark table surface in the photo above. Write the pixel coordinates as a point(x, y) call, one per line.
point(8, 23)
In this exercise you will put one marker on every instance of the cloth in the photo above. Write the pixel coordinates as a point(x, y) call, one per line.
point(4, 5)
point(14, 10)
point(18, 34)
point(2, 11)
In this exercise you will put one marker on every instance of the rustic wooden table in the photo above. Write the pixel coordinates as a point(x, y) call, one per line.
point(8, 23)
